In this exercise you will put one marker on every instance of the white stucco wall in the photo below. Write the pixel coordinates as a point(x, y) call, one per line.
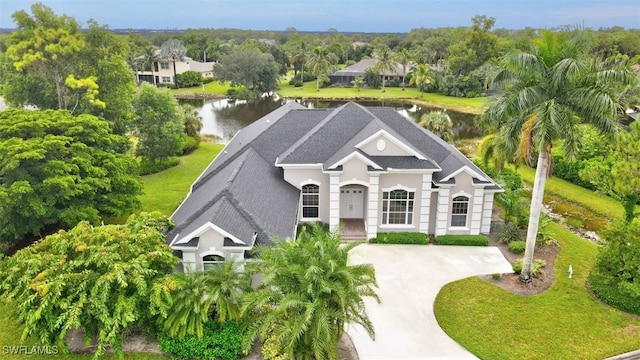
point(399, 180)
point(300, 177)
point(390, 149)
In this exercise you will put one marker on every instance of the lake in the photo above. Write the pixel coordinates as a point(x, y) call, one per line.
point(223, 118)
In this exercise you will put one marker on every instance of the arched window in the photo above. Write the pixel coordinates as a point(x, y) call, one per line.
point(397, 207)
point(212, 261)
point(459, 211)
point(310, 201)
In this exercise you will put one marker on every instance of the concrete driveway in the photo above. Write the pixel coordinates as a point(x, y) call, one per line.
point(409, 278)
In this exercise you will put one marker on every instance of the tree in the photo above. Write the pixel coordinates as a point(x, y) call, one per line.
point(321, 61)
point(546, 93)
point(192, 121)
point(249, 67)
point(159, 122)
point(45, 44)
point(439, 123)
point(617, 173)
point(57, 170)
point(404, 58)
point(309, 293)
point(300, 57)
point(358, 82)
point(149, 58)
point(422, 77)
point(172, 50)
point(384, 64)
point(479, 45)
point(102, 279)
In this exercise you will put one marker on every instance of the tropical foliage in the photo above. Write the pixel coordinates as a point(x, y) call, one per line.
point(103, 279)
point(308, 294)
point(439, 123)
point(172, 50)
point(57, 169)
point(248, 67)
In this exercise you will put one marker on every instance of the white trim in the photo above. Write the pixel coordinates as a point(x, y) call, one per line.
point(354, 182)
point(397, 226)
point(410, 171)
point(469, 171)
point(461, 193)
point(298, 166)
point(458, 228)
point(310, 219)
point(310, 182)
point(394, 140)
point(208, 226)
point(211, 252)
point(360, 157)
point(398, 187)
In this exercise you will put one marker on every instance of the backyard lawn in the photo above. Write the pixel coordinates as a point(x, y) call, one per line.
point(165, 190)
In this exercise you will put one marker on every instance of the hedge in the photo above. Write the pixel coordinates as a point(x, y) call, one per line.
point(610, 295)
point(463, 240)
point(220, 341)
point(146, 167)
point(408, 238)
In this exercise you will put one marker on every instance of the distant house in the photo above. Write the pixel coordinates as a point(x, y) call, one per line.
point(348, 74)
point(367, 167)
point(163, 70)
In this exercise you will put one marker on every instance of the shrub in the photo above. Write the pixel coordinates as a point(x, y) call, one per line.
point(220, 341)
point(295, 82)
point(232, 92)
point(536, 267)
point(496, 276)
point(409, 238)
point(191, 144)
point(517, 247)
point(610, 294)
point(509, 233)
point(190, 78)
point(146, 167)
point(207, 80)
point(463, 240)
point(271, 349)
point(574, 222)
point(310, 225)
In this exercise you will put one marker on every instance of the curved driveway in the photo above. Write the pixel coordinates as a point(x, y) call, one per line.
point(409, 278)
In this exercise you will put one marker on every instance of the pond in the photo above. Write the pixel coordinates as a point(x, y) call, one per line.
point(223, 118)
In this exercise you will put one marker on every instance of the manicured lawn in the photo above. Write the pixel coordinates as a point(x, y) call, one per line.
point(10, 336)
point(564, 322)
point(165, 190)
point(214, 87)
point(599, 204)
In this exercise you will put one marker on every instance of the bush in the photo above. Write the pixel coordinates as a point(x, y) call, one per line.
point(271, 349)
point(232, 92)
point(191, 144)
point(408, 238)
point(610, 294)
point(220, 341)
point(190, 78)
point(536, 267)
point(463, 240)
point(207, 80)
point(295, 82)
point(310, 225)
point(508, 233)
point(517, 247)
point(146, 167)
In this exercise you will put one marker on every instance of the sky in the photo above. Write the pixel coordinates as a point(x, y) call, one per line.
point(343, 15)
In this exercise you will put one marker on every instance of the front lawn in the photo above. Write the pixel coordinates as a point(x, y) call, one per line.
point(165, 190)
point(564, 322)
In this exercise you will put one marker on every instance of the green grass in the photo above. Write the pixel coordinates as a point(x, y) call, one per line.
point(597, 203)
point(165, 190)
point(564, 322)
point(214, 87)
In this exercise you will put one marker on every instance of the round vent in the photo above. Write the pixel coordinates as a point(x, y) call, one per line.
point(381, 145)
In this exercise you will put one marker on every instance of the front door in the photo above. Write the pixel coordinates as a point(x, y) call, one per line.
point(352, 202)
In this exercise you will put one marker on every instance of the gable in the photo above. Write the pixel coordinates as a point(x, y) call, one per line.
point(384, 144)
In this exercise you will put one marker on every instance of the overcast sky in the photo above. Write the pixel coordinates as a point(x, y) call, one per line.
point(344, 15)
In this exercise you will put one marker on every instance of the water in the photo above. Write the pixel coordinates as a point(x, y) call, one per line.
point(223, 118)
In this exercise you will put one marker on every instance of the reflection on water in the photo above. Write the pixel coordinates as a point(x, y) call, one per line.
point(223, 118)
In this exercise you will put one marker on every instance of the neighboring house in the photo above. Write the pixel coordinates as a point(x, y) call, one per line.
point(369, 167)
point(163, 71)
point(348, 74)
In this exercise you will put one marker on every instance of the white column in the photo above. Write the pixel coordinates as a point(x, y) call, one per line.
point(334, 202)
point(442, 216)
point(487, 213)
point(372, 205)
point(425, 203)
point(476, 210)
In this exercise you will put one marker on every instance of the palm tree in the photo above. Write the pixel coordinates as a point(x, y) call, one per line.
point(192, 121)
point(309, 293)
point(358, 82)
point(384, 64)
point(439, 123)
point(547, 92)
point(404, 58)
point(150, 56)
point(301, 57)
point(198, 295)
point(422, 76)
point(134, 61)
point(172, 50)
point(320, 62)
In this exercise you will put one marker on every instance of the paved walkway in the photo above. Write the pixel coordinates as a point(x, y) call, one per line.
point(409, 278)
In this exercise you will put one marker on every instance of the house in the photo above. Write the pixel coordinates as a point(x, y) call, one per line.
point(368, 166)
point(163, 70)
point(348, 74)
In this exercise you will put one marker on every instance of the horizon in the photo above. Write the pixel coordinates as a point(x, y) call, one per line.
point(345, 16)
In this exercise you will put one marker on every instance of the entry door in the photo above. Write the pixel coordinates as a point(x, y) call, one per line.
point(352, 202)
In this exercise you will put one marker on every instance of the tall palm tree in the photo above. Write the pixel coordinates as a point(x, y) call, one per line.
point(384, 63)
point(134, 62)
point(309, 294)
point(301, 56)
point(172, 50)
point(439, 123)
point(321, 60)
point(404, 57)
point(547, 92)
point(150, 56)
point(422, 76)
